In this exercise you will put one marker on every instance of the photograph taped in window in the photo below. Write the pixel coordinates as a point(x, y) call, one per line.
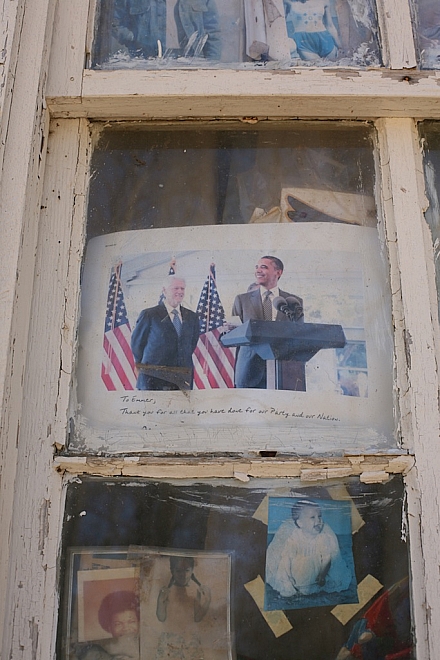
point(309, 558)
point(157, 34)
point(227, 367)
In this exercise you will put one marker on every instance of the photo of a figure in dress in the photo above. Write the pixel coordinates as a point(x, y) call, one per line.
point(185, 606)
point(309, 559)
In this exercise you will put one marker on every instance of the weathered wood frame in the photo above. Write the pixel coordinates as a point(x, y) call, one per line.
point(41, 232)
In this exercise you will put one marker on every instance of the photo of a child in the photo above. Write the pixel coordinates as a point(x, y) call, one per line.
point(304, 563)
point(311, 29)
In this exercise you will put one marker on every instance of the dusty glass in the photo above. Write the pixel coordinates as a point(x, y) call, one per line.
point(186, 570)
point(299, 172)
point(156, 34)
point(427, 26)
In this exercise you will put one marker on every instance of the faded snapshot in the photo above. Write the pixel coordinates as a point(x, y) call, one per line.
point(145, 604)
point(427, 20)
point(214, 570)
point(186, 606)
point(105, 612)
point(235, 33)
point(308, 353)
point(309, 560)
point(234, 280)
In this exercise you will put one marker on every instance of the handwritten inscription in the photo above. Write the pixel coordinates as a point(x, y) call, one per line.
point(130, 408)
point(134, 398)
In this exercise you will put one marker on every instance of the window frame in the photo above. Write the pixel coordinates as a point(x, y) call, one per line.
point(43, 243)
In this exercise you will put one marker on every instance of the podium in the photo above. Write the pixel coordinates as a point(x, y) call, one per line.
point(284, 345)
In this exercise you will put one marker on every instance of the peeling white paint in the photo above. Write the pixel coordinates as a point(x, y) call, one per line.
point(37, 372)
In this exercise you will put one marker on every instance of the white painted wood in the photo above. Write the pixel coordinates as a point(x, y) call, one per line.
point(93, 5)
point(31, 600)
point(23, 138)
point(387, 229)
point(300, 93)
point(397, 34)
point(68, 51)
point(39, 321)
point(430, 265)
point(411, 529)
point(74, 138)
point(11, 16)
point(400, 156)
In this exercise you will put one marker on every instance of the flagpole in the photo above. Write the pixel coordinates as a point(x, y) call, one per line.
point(208, 318)
point(117, 282)
point(208, 307)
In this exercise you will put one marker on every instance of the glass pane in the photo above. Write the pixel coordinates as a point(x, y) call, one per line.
point(430, 132)
point(295, 173)
point(235, 293)
point(216, 570)
point(427, 14)
point(157, 34)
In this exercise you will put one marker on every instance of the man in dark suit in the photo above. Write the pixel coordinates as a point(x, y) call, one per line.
point(256, 305)
point(166, 336)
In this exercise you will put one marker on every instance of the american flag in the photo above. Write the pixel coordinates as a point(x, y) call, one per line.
point(117, 369)
point(213, 362)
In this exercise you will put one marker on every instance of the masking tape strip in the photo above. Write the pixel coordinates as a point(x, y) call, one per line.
point(262, 511)
point(367, 588)
point(89, 562)
point(339, 492)
point(276, 620)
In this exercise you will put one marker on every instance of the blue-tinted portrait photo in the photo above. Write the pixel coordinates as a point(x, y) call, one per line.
point(309, 560)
